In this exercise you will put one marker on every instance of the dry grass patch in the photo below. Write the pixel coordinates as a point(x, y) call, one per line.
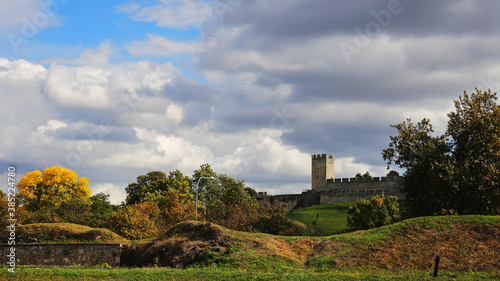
point(462, 247)
point(470, 243)
point(64, 233)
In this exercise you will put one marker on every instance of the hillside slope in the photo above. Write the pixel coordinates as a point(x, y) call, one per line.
point(328, 219)
point(463, 243)
point(63, 233)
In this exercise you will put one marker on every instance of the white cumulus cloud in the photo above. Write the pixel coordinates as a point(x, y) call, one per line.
point(116, 193)
point(170, 13)
point(160, 46)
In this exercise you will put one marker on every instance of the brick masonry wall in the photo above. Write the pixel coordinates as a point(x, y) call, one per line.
point(63, 254)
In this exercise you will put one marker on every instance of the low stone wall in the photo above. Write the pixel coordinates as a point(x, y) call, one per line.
point(290, 201)
point(62, 254)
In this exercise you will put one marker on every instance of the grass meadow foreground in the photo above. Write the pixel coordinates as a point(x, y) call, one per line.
point(209, 273)
point(468, 246)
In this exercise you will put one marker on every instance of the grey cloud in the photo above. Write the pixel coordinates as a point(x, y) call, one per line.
point(196, 113)
point(241, 117)
point(310, 19)
point(242, 112)
point(362, 140)
point(96, 132)
point(385, 87)
point(267, 81)
point(415, 77)
point(425, 18)
point(185, 90)
point(276, 26)
point(419, 75)
point(285, 22)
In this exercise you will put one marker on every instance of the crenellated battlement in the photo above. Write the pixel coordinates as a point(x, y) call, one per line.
point(359, 179)
point(378, 183)
point(320, 156)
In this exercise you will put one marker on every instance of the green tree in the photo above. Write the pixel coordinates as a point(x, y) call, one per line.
point(392, 175)
point(180, 183)
point(457, 172)
point(76, 210)
point(474, 127)
point(172, 196)
point(178, 204)
point(427, 179)
point(228, 201)
point(210, 191)
point(155, 181)
point(100, 204)
point(233, 191)
point(251, 192)
point(366, 176)
point(223, 189)
point(100, 209)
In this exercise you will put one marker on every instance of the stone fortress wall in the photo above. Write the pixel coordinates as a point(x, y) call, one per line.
point(327, 189)
point(89, 254)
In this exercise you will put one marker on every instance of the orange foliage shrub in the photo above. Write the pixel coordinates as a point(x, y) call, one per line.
point(136, 222)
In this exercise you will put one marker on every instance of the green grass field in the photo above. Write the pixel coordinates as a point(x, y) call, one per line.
point(330, 218)
point(468, 246)
point(150, 274)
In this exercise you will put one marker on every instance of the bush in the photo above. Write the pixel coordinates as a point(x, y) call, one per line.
point(273, 220)
point(46, 214)
point(241, 217)
point(377, 212)
point(137, 221)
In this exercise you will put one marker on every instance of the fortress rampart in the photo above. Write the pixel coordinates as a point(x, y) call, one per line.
point(51, 254)
point(327, 189)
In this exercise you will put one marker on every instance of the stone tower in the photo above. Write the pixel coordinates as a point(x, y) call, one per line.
point(322, 169)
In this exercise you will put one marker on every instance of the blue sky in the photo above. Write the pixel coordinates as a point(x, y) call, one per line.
point(86, 25)
point(115, 89)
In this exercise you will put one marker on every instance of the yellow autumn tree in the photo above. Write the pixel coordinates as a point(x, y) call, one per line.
point(54, 186)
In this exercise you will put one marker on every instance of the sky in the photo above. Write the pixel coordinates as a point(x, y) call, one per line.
point(115, 89)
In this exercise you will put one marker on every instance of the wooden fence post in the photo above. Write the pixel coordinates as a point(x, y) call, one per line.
point(436, 265)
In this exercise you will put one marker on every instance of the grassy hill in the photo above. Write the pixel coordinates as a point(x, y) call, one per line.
point(63, 233)
point(469, 248)
point(464, 243)
point(328, 219)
